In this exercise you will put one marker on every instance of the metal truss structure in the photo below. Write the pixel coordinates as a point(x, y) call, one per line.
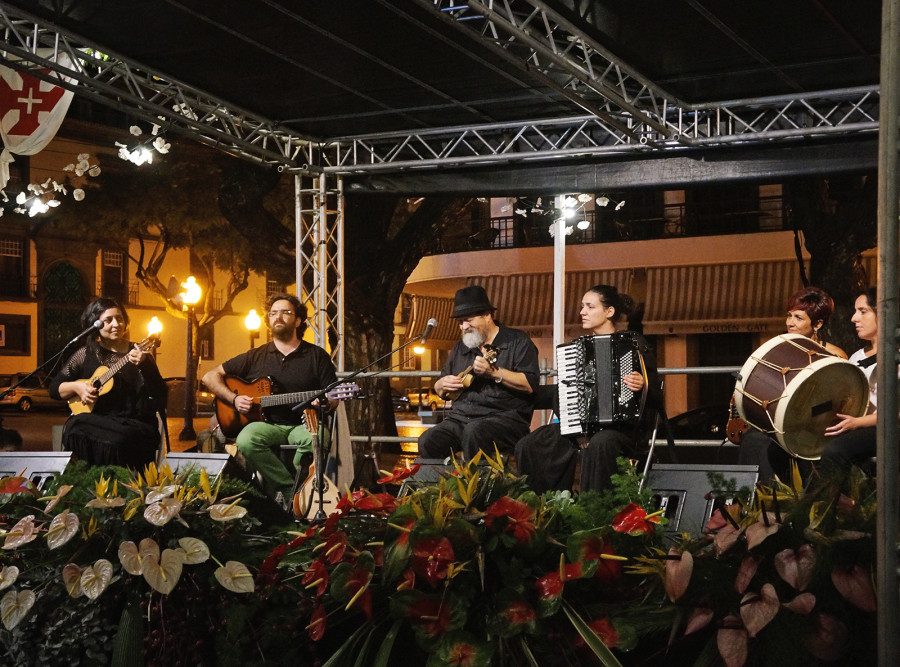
point(319, 211)
point(625, 114)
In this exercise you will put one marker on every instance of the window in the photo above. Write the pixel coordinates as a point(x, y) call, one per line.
point(13, 281)
point(113, 275)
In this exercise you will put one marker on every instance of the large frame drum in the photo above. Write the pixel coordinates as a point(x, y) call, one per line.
point(791, 388)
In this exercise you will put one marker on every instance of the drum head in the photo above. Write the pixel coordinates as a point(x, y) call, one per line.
point(830, 387)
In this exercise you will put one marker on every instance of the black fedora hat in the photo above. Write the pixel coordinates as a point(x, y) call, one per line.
point(471, 300)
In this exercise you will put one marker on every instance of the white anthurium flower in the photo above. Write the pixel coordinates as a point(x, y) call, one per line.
point(235, 577)
point(161, 146)
point(22, 533)
point(160, 513)
point(105, 502)
point(130, 558)
point(96, 578)
point(602, 201)
point(8, 576)
point(159, 492)
point(195, 551)
point(224, 512)
point(62, 529)
point(71, 575)
point(163, 572)
point(14, 607)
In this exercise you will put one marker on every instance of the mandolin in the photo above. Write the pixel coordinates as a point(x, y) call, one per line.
point(102, 378)
point(466, 376)
point(306, 490)
point(265, 394)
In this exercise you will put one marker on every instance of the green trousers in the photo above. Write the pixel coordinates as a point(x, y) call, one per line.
point(260, 443)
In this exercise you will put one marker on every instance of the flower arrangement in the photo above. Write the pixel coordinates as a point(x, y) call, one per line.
point(473, 570)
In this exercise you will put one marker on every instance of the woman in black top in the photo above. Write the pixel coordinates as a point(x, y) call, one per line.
point(119, 426)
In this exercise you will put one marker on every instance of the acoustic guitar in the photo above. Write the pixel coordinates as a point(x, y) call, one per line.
point(102, 378)
point(266, 394)
point(466, 376)
point(306, 489)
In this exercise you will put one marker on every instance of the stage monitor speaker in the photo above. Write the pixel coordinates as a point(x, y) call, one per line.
point(684, 492)
point(214, 464)
point(40, 467)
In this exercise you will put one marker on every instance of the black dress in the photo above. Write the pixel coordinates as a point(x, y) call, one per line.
point(122, 428)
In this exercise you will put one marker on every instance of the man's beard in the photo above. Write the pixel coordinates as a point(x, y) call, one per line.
point(473, 338)
point(284, 334)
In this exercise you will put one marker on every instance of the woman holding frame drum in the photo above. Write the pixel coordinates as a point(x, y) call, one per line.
point(808, 310)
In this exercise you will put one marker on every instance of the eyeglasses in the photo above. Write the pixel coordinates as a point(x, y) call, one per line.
point(276, 313)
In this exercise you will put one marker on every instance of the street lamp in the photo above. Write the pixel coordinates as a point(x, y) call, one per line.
point(189, 298)
point(252, 322)
point(154, 326)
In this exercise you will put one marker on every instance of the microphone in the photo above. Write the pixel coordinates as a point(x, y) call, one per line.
point(432, 323)
point(96, 325)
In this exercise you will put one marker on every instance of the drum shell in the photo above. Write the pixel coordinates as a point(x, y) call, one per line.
point(802, 396)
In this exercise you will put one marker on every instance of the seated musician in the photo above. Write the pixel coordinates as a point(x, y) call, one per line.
point(294, 365)
point(118, 426)
point(496, 407)
point(808, 310)
point(549, 458)
point(854, 438)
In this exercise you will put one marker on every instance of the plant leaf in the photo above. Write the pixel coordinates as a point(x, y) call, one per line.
point(590, 638)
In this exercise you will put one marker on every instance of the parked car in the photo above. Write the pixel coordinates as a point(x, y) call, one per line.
point(31, 394)
point(205, 405)
point(704, 423)
point(426, 400)
point(399, 402)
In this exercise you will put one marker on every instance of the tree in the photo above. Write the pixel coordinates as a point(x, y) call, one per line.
point(171, 204)
point(836, 218)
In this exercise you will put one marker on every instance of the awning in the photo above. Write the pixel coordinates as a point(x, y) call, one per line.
point(699, 298)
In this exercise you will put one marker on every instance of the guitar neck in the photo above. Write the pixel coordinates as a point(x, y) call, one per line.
point(112, 370)
point(286, 399)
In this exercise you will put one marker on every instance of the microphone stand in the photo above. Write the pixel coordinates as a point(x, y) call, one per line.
point(320, 469)
point(52, 360)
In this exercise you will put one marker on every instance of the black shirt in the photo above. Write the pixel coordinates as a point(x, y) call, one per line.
point(307, 368)
point(515, 352)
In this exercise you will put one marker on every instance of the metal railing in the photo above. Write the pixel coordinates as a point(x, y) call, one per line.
point(661, 442)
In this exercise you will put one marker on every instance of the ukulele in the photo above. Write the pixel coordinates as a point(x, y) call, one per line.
point(306, 493)
point(265, 394)
point(466, 376)
point(102, 379)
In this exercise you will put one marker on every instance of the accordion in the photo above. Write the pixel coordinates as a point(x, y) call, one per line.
point(589, 378)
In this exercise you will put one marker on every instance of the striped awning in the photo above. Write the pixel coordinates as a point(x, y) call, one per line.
point(698, 298)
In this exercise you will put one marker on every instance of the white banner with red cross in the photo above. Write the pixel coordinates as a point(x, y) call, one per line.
point(31, 111)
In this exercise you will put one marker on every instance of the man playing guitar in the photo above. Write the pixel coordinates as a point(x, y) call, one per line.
point(295, 366)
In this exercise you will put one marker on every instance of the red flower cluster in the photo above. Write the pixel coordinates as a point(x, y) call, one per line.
point(513, 517)
point(634, 521)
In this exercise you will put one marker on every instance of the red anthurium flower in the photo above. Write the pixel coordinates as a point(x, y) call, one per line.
point(317, 575)
point(377, 502)
point(604, 629)
point(400, 474)
point(16, 485)
point(335, 546)
point(330, 525)
point(633, 520)
point(432, 617)
point(431, 559)
point(348, 500)
point(300, 539)
point(350, 583)
point(271, 562)
point(403, 538)
point(517, 515)
point(550, 585)
point(407, 580)
point(316, 627)
point(519, 613)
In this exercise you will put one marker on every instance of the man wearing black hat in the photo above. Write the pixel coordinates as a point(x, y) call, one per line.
point(496, 407)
